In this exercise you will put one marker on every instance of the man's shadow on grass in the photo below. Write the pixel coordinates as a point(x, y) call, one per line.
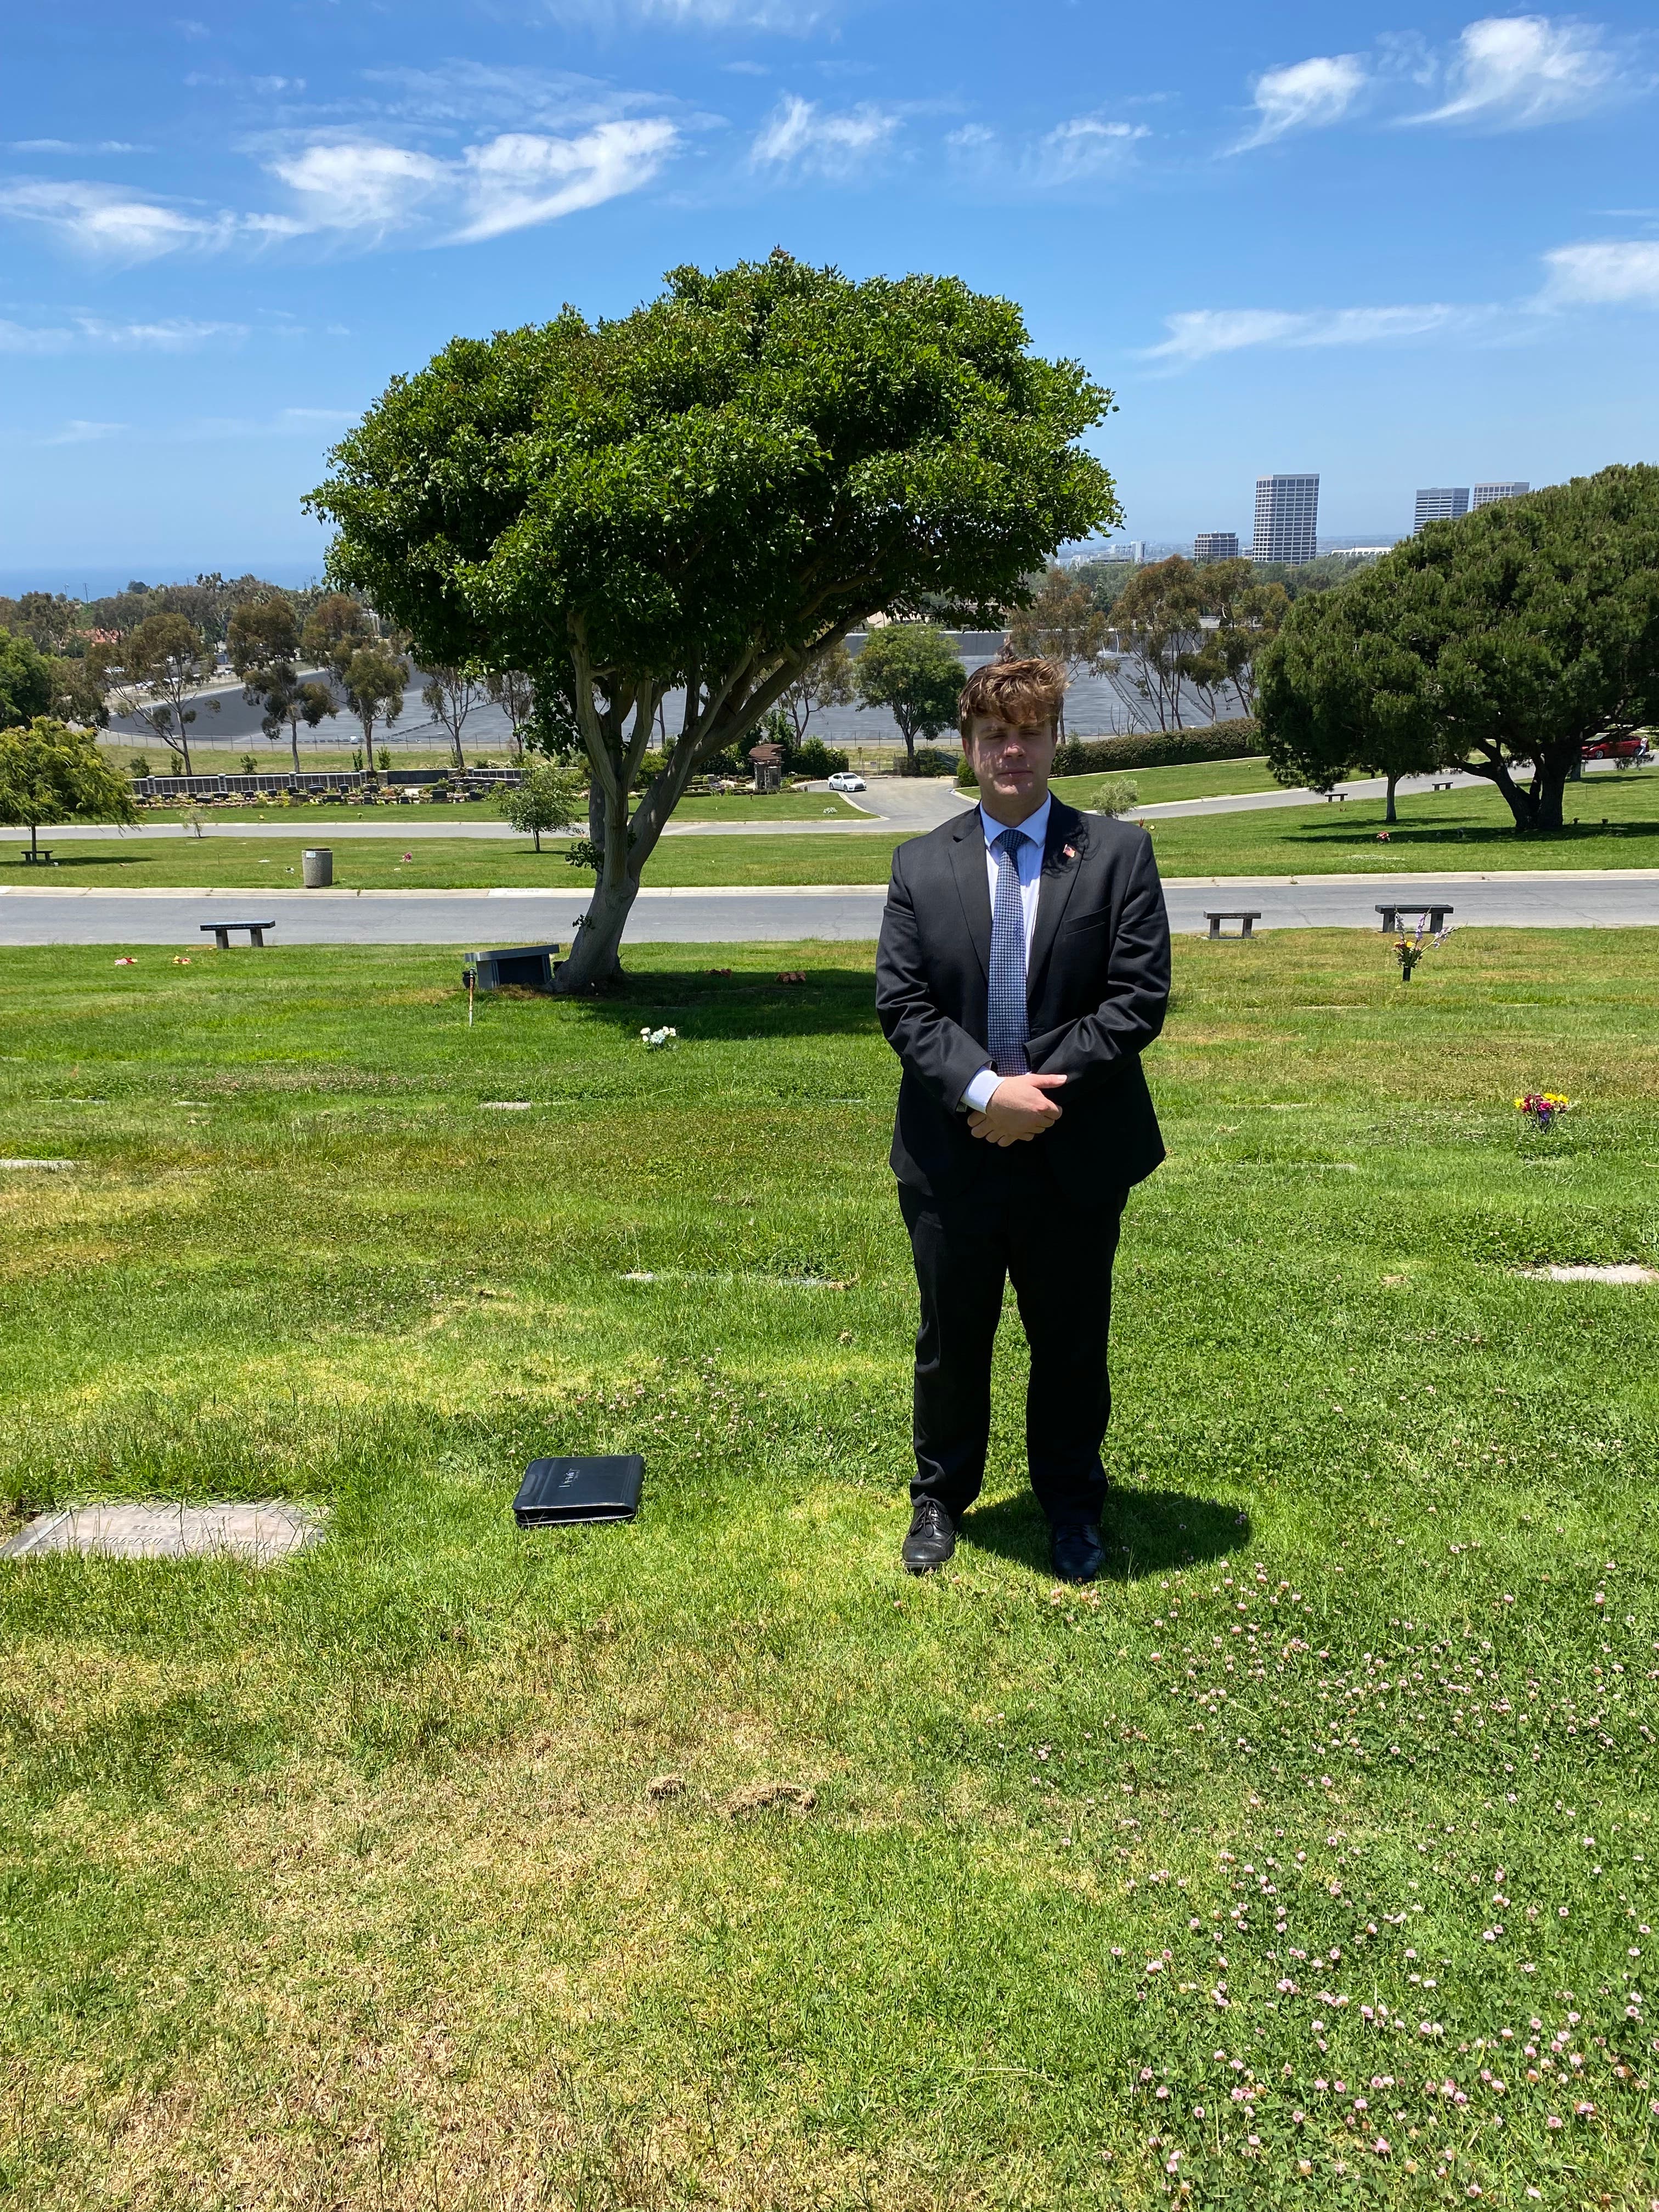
point(1146, 1532)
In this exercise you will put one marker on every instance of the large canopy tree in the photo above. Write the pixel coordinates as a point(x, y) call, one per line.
point(708, 493)
point(1500, 643)
point(916, 673)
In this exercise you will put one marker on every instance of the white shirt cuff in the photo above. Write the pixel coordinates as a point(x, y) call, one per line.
point(977, 1096)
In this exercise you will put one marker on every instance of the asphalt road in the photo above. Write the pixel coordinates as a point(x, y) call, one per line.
point(1558, 899)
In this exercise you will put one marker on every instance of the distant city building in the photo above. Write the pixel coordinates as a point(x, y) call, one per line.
point(1216, 546)
point(1441, 503)
point(1286, 519)
point(1488, 494)
point(1125, 548)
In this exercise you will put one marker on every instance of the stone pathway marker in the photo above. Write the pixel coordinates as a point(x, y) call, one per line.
point(263, 1531)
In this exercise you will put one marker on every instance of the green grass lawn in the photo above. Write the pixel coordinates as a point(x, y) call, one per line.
point(439, 863)
point(1195, 780)
point(1613, 823)
point(445, 1867)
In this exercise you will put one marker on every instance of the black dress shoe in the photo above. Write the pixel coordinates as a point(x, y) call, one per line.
point(932, 1539)
point(1079, 1553)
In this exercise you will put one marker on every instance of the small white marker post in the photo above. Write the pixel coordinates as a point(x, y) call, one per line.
point(471, 978)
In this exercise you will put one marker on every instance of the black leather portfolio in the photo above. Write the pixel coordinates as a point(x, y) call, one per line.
point(560, 1489)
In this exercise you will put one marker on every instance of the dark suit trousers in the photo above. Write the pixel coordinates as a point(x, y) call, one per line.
point(1015, 1226)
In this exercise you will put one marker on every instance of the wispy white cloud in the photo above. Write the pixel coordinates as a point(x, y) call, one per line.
point(359, 184)
point(1513, 70)
point(1201, 334)
point(77, 146)
point(1305, 96)
point(365, 189)
point(1603, 273)
point(520, 179)
point(1083, 150)
point(78, 432)
point(506, 183)
point(468, 92)
point(801, 137)
point(1614, 273)
point(93, 334)
point(114, 224)
point(791, 16)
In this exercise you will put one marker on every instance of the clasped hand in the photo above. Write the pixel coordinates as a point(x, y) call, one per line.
point(1019, 1109)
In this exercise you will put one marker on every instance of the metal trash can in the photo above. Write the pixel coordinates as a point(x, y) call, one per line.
point(317, 867)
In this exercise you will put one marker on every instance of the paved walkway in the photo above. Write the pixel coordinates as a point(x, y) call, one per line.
point(1558, 899)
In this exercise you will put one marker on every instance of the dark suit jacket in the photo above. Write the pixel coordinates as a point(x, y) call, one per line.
point(1097, 985)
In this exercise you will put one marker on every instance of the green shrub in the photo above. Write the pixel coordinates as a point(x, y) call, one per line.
point(930, 760)
point(813, 759)
point(1237, 740)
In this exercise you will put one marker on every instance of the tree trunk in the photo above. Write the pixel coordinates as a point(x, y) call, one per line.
point(455, 746)
point(34, 841)
point(595, 962)
point(293, 745)
point(1388, 813)
point(1549, 784)
point(537, 835)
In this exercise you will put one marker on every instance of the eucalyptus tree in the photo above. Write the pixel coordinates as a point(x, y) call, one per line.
point(706, 495)
point(1063, 624)
point(157, 672)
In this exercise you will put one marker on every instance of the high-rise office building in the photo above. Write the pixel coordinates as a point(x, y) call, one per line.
point(1216, 546)
point(1286, 519)
point(1132, 549)
point(1441, 503)
point(1486, 495)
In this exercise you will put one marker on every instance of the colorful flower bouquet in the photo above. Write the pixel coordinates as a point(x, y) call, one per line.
point(1541, 1107)
point(1408, 950)
point(658, 1040)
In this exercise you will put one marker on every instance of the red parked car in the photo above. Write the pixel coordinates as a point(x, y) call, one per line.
point(1628, 752)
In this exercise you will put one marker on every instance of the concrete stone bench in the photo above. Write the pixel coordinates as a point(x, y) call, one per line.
point(256, 932)
point(1436, 916)
point(1242, 915)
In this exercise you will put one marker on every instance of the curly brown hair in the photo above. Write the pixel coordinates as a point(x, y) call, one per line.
point(1008, 690)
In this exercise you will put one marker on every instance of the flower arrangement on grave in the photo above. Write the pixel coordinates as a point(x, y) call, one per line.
point(1541, 1107)
point(1408, 950)
point(658, 1040)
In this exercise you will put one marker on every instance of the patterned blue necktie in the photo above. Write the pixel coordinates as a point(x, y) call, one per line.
point(1006, 1019)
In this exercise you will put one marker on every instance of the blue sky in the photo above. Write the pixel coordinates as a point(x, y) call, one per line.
point(1401, 249)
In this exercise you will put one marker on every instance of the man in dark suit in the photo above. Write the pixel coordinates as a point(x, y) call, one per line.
point(1024, 967)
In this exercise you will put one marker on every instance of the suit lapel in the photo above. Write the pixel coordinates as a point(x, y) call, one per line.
point(1061, 853)
point(967, 860)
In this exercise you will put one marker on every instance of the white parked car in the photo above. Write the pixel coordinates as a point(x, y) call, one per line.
point(847, 781)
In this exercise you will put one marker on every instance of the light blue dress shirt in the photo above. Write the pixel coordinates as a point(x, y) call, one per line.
point(1027, 857)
